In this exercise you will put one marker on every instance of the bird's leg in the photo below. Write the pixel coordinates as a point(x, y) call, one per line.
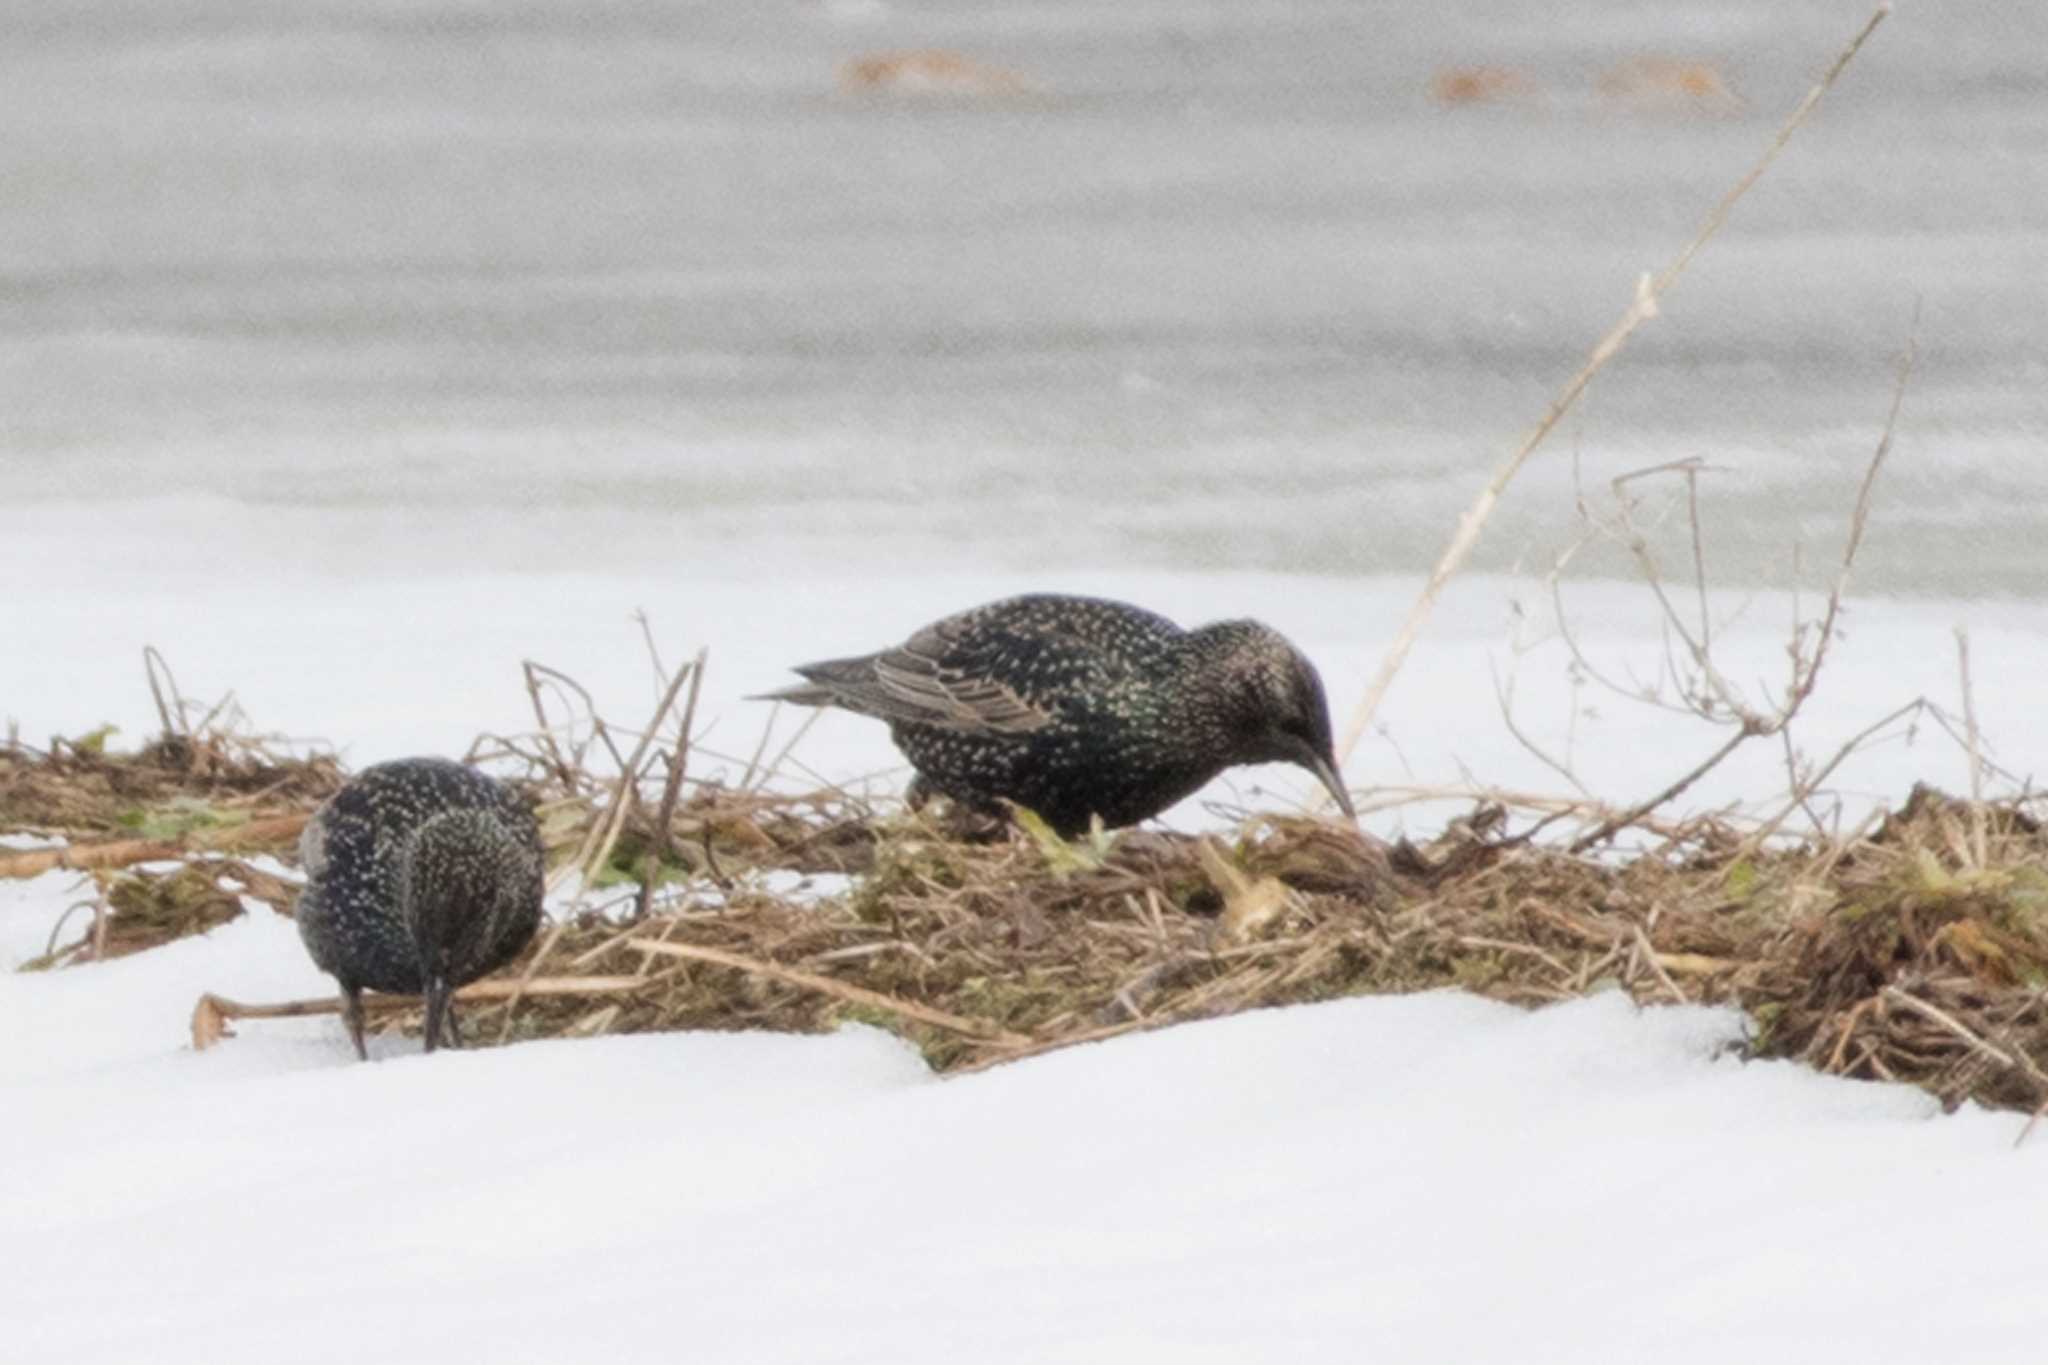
point(437, 1011)
point(352, 1015)
point(451, 1031)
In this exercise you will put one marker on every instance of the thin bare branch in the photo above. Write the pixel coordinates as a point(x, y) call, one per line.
point(1642, 307)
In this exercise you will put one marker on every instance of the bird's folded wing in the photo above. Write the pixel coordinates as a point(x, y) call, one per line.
point(919, 689)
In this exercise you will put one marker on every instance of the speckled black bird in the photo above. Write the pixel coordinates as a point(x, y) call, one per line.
point(421, 875)
point(1077, 707)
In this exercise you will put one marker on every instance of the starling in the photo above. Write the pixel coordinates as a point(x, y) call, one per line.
point(421, 875)
point(1078, 707)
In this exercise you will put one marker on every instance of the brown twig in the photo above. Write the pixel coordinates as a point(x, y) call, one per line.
point(1802, 790)
point(33, 862)
point(1504, 698)
point(1641, 309)
point(210, 1015)
point(544, 733)
point(1976, 750)
point(1622, 819)
point(526, 977)
point(663, 846)
point(1714, 698)
point(171, 713)
point(2018, 1061)
point(604, 832)
point(859, 995)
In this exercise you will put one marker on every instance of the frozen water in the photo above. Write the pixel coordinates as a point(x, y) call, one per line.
point(626, 280)
point(355, 352)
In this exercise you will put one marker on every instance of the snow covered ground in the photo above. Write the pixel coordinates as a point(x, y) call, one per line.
point(381, 666)
point(356, 353)
point(1429, 1178)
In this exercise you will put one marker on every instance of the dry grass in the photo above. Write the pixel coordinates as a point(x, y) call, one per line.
point(173, 786)
point(156, 833)
point(1915, 952)
point(1643, 307)
point(1901, 956)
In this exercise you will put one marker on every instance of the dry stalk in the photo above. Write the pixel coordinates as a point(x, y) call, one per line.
point(782, 754)
point(604, 832)
point(1504, 697)
point(1642, 307)
point(1714, 698)
point(663, 845)
point(825, 985)
point(2018, 1061)
point(1975, 747)
point(1811, 782)
point(212, 1013)
point(172, 712)
point(117, 853)
point(525, 978)
point(544, 734)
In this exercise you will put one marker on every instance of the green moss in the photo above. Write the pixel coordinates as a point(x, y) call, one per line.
point(906, 867)
point(93, 742)
point(630, 862)
point(1765, 1016)
point(179, 816)
point(1065, 857)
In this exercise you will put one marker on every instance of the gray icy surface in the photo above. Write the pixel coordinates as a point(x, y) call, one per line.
point(627, 281)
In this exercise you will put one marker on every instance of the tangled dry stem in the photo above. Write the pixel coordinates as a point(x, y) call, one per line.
point(1901, 955)
point(1915, 950)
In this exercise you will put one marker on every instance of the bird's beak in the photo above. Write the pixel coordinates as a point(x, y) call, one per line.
point(1325, 769)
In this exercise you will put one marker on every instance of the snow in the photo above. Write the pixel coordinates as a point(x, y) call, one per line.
point(382, 668)
point(1433, 1177)
point(1429, 1178)
point(360, 355)
point(1425, 1178)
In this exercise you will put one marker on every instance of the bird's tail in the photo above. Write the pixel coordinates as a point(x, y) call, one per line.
point(833, 682)
point(455, 878)
point(800, 694)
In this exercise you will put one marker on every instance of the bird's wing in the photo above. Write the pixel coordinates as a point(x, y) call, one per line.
point(955, 696)
point(962, 673)
point(991, 670)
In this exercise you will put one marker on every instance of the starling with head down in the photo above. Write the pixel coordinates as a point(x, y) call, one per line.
point(421, 875)
point(1078, 707)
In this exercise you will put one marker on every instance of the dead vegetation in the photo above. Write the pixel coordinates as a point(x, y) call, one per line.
point(1914, 951)
point(174, 791)
point(1675, 83)
point(930, 73)
point(1913, 954)
point(1911, 948)
point(163, 834)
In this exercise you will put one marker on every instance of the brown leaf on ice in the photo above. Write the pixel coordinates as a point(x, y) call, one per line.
point(928, 71)
point(1455, 85)
point(1670, 83)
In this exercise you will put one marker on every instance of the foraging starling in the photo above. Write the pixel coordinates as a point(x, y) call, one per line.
point(421, 875)
point(1077, 707)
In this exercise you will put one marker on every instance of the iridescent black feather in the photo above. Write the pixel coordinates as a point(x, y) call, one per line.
point(1078, 707)
point(421, 876)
